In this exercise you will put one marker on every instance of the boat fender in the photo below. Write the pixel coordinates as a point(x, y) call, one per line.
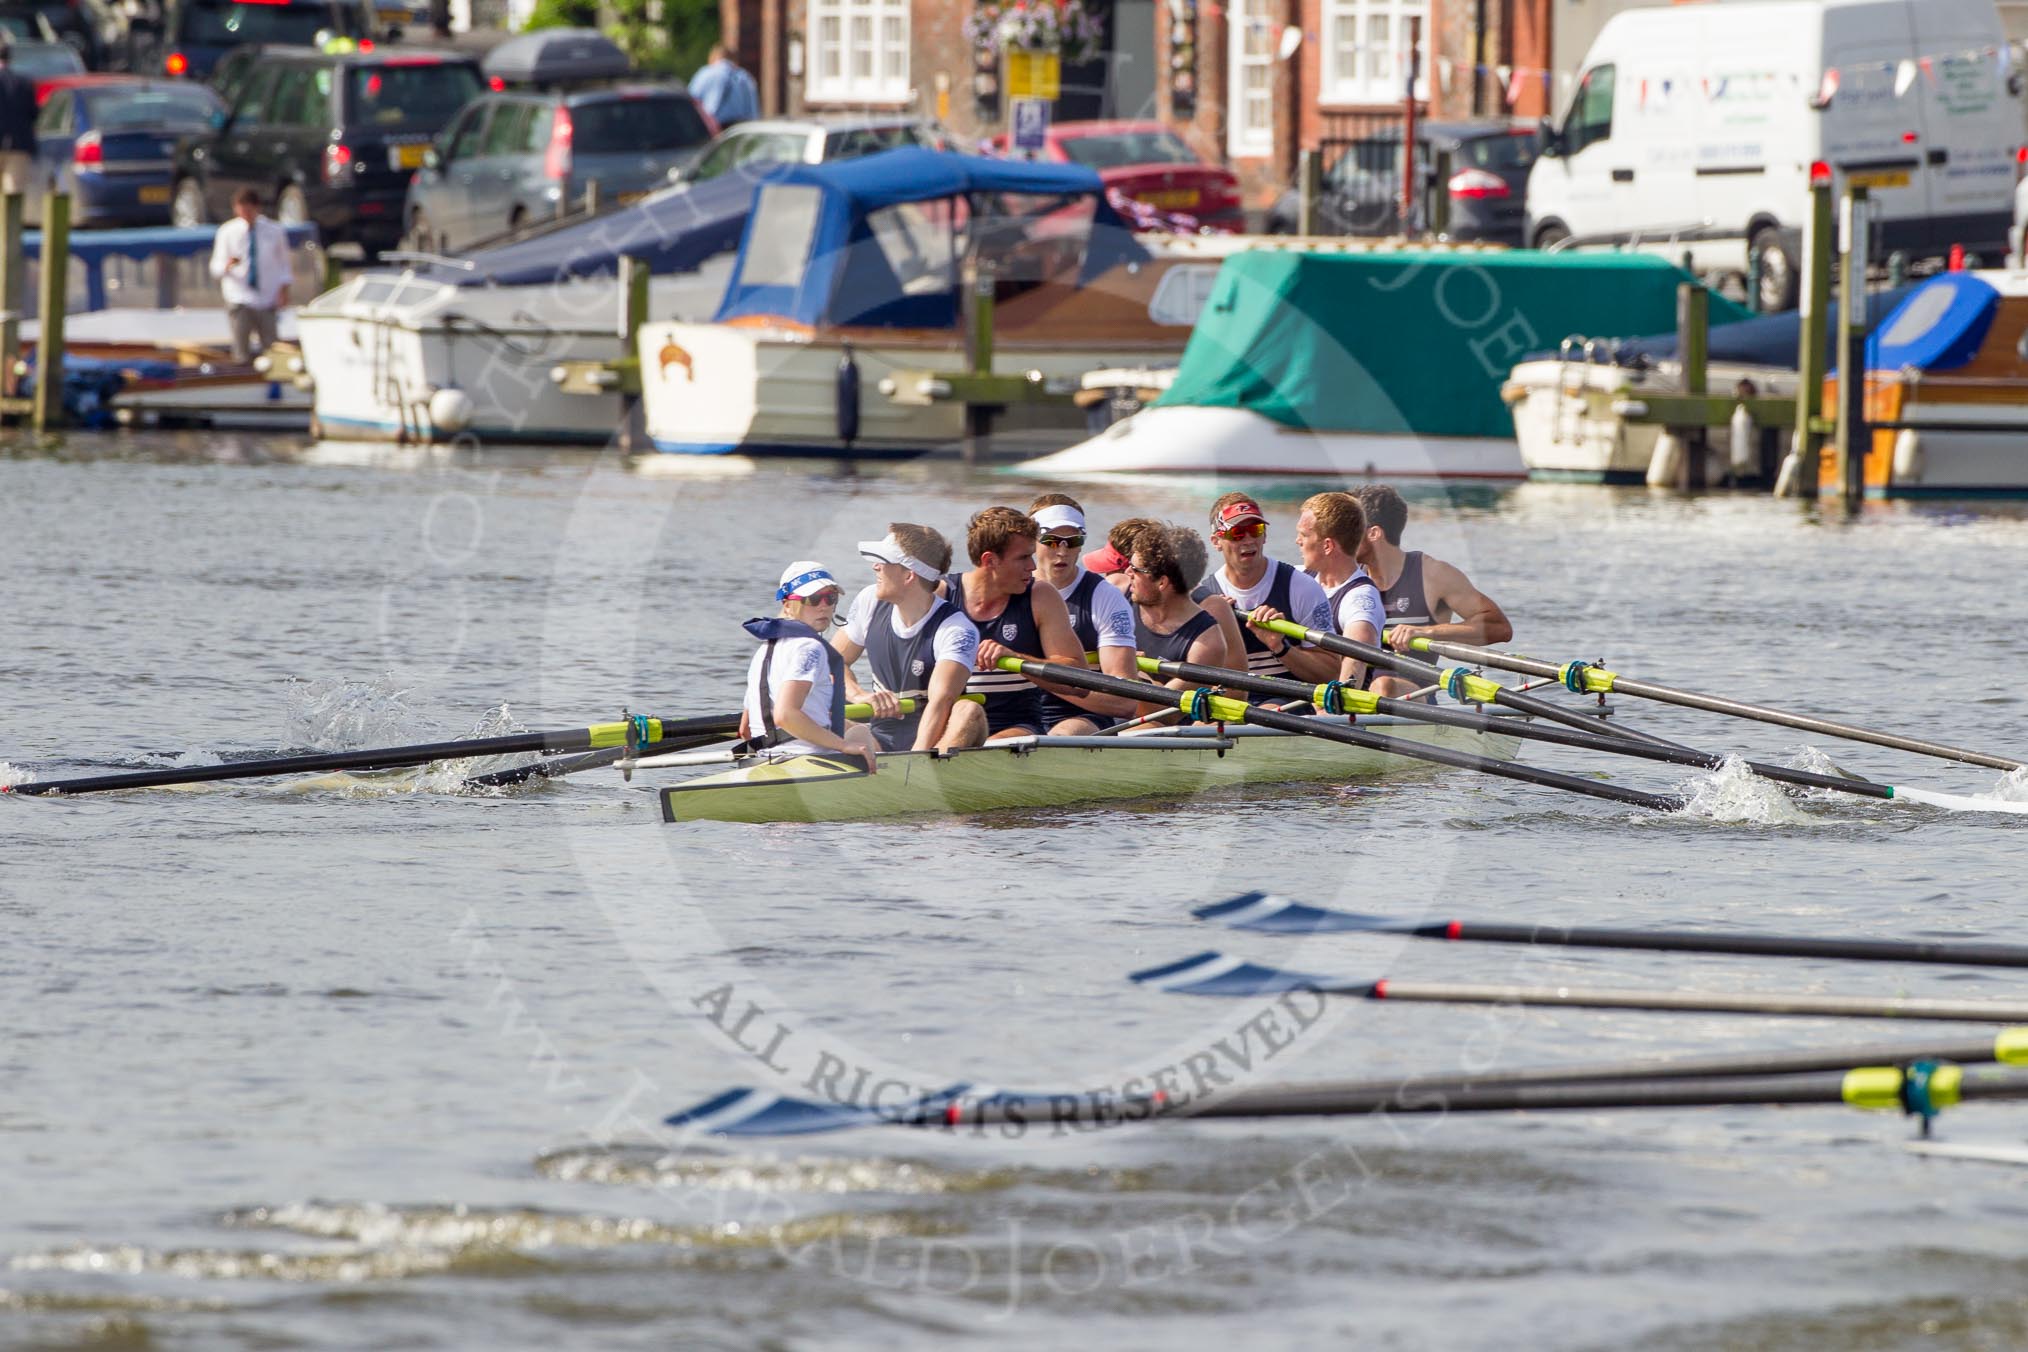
point(1908, 456)
point(848, 397)
point(1745, 438)
point(1665, 467)
point(450, 410)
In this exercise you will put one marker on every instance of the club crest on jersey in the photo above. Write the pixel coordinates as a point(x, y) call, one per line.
point(1401, 603)
point(1008, 631)
point(917, 667)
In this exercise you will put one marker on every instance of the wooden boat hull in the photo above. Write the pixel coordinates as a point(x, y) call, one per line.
point(1047, 772)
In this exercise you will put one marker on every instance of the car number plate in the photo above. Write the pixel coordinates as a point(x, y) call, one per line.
point(1878, 178)
point(406, 157)
point(155, 196)
point(1171, 198)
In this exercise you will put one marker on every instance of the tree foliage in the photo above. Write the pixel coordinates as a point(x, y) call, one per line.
point(669, 37)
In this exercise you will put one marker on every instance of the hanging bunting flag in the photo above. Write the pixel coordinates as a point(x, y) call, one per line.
point(1929, 70)
point(1904, 76)
point(1827, 90)
point(1443, 66)
point(1514, 83)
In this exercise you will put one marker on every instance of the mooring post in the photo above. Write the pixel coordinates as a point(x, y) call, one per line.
point(1309, 185)
point(13, 273)
point(1800, 475)
point(1693, 345)
point(1853, 434)
point(55, 264)
point(634, 276)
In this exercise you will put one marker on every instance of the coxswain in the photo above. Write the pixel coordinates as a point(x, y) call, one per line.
point(1101, 617)
point(1262, 589)
point(1169, 625)
point(1329, 532)
point(1016, 618)
point(913, 640)
point(1424, 597)
point(795, 686)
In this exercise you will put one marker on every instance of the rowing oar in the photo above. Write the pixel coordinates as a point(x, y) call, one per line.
point(1208, 707)
point(593, 760)
point(1889, 1071)
point(1222, 974)
point(599, 735)
point(1339, 698)
point(1270, 914)
point(1463, 686)
point(1583, 679)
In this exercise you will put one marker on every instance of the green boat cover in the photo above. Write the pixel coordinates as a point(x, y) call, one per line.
point(1415, 342)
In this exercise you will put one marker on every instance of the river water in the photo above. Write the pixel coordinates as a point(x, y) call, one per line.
point(345, 1062)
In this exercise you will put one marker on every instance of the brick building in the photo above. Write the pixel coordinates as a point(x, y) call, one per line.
point(1249, 81)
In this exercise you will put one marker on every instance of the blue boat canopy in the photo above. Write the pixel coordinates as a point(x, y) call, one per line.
point(1939, 328)
point(880, 240)
point(675, 232)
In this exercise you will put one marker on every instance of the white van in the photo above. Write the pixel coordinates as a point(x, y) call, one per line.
point(1705, 118)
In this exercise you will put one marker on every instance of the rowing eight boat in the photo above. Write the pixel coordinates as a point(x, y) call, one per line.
point(1043, 772)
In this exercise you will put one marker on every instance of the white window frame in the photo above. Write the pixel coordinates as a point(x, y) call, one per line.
point(1346, 23)
point(1249, 138)
point(859, 52)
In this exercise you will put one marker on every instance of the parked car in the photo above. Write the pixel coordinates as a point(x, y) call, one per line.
point(808, 141)
point(110, 142)
point(1669, 135)
point(1146, 162)
point(1487, 183)
point(512, 158)
point(40, 61)
point(195, 34)
point(327, 137)
point(78, 24)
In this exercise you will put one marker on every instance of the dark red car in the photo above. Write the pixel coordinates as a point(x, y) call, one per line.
point(1147, 163)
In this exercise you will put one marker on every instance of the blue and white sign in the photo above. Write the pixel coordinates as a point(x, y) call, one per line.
point(1030, 123)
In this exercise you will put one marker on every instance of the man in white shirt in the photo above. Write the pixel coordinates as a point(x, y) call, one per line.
point(1329, 532)
point(795, 687)
point(250, 259)
point(1262, 589)
point(913, 640)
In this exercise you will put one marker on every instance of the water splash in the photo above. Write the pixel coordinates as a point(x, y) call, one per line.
point(2011, 787)
point(656, 1169)
point(1734, 795)
point(11, 775)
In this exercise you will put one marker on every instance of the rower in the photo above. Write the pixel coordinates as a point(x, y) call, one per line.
point(1016, 618)
point(1168, 624)
point(1261, 589)
point(1329, 532)
point(1110, 562)
point(795, 686)
point(1424, 596)
point(1101, 617)
point(913, 640)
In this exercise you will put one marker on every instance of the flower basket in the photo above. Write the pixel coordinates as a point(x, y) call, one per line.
point(1065, 27)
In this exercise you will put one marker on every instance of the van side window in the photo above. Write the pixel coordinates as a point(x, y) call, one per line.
point(1591, 112)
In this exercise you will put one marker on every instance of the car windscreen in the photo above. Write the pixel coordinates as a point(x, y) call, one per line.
point(609, 126)
point(227, 23)
point(409, 93)
point(45, 58)
point(188, 108)
point(1515, 150)
point(1113, 149)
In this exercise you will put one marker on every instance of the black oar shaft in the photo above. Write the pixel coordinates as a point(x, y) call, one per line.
point(1605, 741)
point(389, 758)
point(1351, 736)
point(1692, 1002)
point(1718, 704)
point(1950, 952)
point(1428, 674)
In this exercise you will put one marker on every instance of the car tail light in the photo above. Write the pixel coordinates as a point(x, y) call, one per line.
point(88, 150)
point(2020, 163)
point(176, 64)
point(366, 44)
point(337, 163)
point(1479, 184)
point(556, 160)
point(497, 85)
point(1820, 174)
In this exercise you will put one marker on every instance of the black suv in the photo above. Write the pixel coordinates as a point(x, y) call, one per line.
point(328, 138)
point(194, 34)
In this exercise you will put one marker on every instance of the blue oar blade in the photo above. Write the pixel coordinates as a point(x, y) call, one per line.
point(761, 1112)
point(1271, 914)
point(1222, 974)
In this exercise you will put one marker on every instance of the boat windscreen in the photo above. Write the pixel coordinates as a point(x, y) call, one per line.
point(1030, 237)
point(778, 243)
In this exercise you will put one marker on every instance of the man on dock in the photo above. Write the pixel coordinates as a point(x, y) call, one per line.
point(17, 126)
point(1263, 588)
point(250, 259)
point(1424, 596)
